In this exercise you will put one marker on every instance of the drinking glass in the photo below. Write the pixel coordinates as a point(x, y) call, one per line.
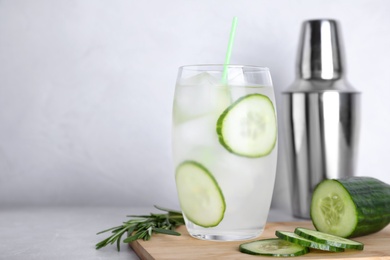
point(224, 149)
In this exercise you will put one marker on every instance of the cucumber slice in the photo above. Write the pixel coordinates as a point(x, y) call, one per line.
point(200, 196)
point(328, 239)
point(294, 238)
point(248, 127)
point(351, 207)
point(273, 247)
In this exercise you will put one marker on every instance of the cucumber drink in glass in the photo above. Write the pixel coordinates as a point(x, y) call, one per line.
point(224, 149)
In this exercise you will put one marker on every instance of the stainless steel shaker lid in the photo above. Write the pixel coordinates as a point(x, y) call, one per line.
point(320, 50)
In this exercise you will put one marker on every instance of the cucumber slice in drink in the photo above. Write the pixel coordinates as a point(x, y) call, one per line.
point(200, 196)
point(273, 247)
point(294, 238)
point(248, 127)
point(351, 207)
point(328, 239)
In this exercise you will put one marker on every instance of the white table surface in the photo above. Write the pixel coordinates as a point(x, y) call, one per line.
point(70, 232)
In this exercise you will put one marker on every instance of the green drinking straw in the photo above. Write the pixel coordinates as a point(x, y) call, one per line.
point(229, 49)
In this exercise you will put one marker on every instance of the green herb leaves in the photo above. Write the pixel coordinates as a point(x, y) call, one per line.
point(143, 226)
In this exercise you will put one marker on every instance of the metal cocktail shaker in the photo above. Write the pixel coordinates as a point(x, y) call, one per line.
point(322, 115)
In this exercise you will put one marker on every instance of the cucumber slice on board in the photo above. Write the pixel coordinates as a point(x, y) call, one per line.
point(273, 247)
point(248, 127)
point(294, 238)
point(351, 207)
point(328, 239)
point(200, 196)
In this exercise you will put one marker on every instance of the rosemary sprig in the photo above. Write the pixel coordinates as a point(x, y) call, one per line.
point(143, 226)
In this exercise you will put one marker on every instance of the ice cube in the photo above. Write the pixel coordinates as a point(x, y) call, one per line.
point(197, 132)
point(236, 76)
point(199, 95)
point(237, 175)
point(203, 78)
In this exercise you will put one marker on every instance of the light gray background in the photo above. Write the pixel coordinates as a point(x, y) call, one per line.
point(86, 88)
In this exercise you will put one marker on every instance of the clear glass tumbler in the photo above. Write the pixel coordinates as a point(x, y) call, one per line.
point(224, 149)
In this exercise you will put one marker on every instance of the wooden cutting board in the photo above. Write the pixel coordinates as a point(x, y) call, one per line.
point(377, 246)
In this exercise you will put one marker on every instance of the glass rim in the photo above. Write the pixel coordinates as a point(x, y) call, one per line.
point(219, 67)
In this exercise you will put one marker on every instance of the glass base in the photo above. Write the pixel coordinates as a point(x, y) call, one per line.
point(225, 236)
